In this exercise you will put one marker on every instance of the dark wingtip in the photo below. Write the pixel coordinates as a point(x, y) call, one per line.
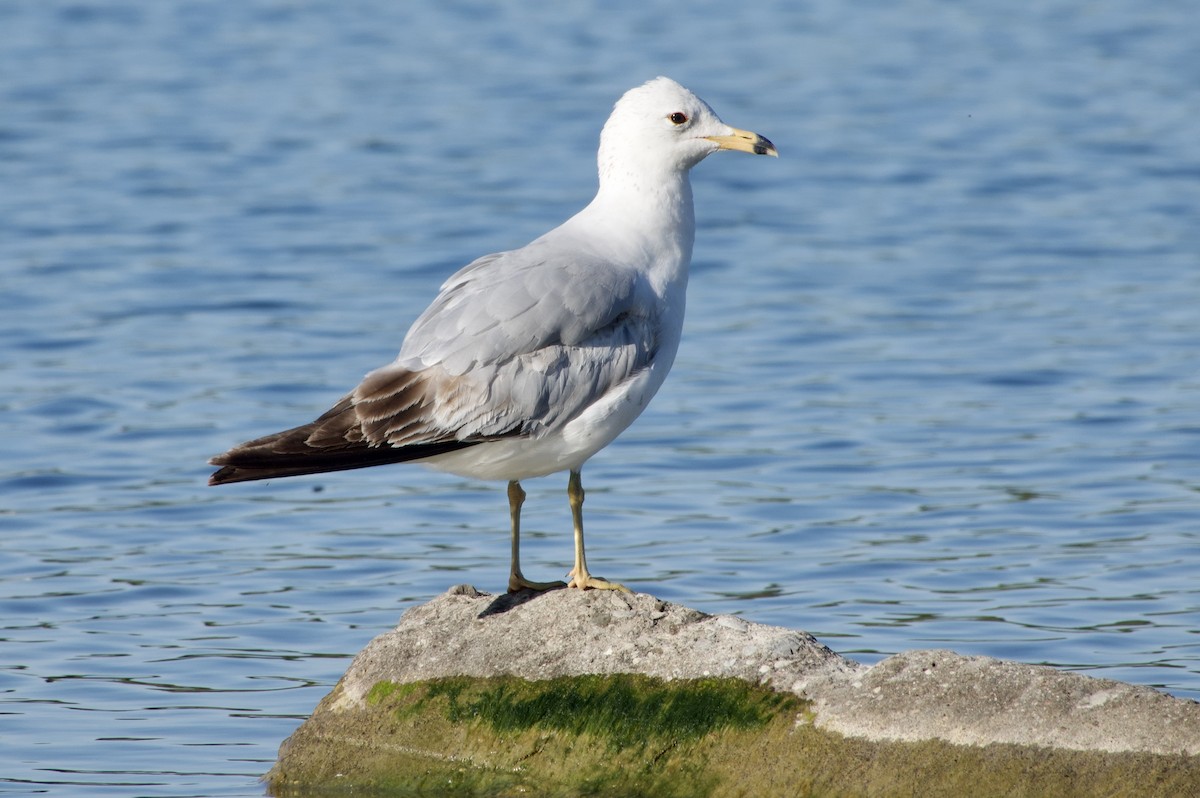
point(253, 461)
point(222, 476)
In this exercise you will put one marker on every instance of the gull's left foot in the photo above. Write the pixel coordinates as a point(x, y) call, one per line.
point(517, 583)
point(587, 581)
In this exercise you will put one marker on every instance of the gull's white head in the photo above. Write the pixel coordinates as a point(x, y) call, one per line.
point(661, 128)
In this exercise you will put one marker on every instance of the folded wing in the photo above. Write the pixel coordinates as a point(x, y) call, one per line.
point(515, 345)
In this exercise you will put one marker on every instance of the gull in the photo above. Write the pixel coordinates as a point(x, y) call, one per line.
point(530, 361)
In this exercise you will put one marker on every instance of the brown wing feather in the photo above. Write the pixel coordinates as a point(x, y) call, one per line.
point(388, 424)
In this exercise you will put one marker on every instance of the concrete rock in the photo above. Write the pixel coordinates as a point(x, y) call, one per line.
point(572, 633)
point(917, 695)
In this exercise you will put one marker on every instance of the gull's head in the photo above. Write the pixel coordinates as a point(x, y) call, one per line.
point(660, 126)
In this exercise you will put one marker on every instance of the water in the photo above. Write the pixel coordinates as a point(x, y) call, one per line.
point(939, 386)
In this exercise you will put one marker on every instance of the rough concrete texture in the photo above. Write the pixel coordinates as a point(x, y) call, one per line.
point(601, 693)
point(575, 633)
point(917, 695)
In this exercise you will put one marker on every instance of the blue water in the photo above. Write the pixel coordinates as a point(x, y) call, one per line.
point(940, 382)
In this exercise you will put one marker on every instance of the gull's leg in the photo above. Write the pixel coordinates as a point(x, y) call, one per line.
point(516, 581)
point(579, 574)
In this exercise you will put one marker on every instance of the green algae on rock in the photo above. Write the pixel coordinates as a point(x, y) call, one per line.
point(588, 735)
point(592, 693)
point(631, 735)
point(624, 709)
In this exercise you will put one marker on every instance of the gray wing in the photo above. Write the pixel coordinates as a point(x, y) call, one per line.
point(512, 303)
point(517, 343)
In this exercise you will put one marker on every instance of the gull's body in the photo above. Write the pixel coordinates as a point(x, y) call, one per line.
point(530, 361)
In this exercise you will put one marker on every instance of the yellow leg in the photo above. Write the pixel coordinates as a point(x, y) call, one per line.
point(517, 581)
point(580, 577)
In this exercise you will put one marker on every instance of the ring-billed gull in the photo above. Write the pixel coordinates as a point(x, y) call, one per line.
point(530, 361)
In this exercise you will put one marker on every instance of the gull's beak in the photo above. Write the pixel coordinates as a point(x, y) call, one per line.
point(745, 141)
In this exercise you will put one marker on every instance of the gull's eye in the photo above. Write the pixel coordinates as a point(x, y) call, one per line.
point(678, 118)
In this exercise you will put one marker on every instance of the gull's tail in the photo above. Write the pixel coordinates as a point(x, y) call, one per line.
point(331, 443)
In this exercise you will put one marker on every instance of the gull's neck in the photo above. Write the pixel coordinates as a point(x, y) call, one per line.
point(651, 221)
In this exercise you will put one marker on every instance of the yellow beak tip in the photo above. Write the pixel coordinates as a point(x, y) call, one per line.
point(745, 141)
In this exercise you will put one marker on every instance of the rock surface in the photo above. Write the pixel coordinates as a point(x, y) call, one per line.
point(928, 698)
point(573, 633)
point(916, 695)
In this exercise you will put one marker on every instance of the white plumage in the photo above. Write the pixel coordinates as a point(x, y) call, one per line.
point(530, 361)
